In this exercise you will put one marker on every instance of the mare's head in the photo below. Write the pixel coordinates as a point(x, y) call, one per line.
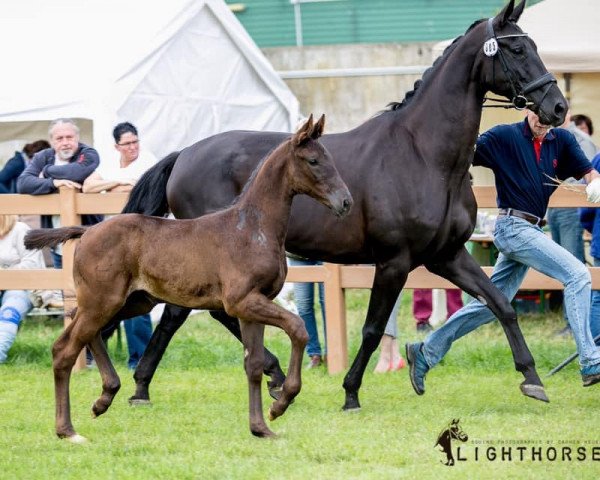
point(312, 170)
point(510, 66)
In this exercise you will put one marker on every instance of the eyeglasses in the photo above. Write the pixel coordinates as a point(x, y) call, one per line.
point(129, 144)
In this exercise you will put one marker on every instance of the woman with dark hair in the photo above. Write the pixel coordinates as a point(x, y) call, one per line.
point(583, 123)
point(15, 166)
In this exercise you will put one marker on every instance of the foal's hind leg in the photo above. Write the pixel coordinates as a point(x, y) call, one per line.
point(464, 272)
point(110, 380)
point(252, 338)
point(65, 351)
point(271, 366)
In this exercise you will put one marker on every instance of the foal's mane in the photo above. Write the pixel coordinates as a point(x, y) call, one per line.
point(392, 106)
point(254, 173)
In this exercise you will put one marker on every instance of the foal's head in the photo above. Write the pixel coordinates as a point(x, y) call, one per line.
point(312, 171)
point(510, 66)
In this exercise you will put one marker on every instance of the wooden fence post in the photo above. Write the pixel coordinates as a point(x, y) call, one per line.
point(335, 313)
point(69, 217)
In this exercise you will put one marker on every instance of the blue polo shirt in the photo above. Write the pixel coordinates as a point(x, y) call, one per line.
point(521, 182)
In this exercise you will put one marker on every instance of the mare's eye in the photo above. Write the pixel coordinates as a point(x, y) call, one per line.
point(517, 49)
point(312, 161)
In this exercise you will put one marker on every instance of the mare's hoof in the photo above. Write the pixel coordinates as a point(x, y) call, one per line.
point(534, 391)
point(76, 439)
point(136, 402)
point(351, 404)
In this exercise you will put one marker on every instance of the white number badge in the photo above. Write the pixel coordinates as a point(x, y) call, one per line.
point(490, 47)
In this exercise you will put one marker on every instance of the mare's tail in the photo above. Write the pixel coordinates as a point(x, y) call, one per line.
point(149, 195)
point(51, 237)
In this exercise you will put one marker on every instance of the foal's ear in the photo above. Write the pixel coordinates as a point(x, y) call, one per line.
point(318, 128)
point(304, 132)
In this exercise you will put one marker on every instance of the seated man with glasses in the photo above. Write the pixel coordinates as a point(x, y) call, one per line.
point(119, 175)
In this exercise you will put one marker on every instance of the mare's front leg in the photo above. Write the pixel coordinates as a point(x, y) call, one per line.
point(271, 367)
point(170, 321)
point(465, 273)
point(258, 308)
point(110, 379)
point(252, 338)
point(387, 285)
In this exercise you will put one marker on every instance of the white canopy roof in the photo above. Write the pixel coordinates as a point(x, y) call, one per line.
point(566, 33)
point(180, 70)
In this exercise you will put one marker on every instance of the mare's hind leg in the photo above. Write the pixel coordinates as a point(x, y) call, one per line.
point(110, 380)
point(172, 318)
point(388, 283)
point(252, 338)
point(258, 308)
point(271, 367)
point(464, 272)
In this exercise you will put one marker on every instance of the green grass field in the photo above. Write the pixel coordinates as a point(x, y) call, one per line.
point(197, 426)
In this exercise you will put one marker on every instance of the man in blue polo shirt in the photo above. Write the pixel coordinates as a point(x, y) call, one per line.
point(525, 157)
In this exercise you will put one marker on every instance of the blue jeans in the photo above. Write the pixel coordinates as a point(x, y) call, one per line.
point(523, 245)
point(14, 307)
point(595, 313)
point(566, 230)
point(138, 331)
point(304, 294)
point(391, 327)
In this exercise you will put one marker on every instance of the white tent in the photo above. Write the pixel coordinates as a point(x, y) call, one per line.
point(180, 70)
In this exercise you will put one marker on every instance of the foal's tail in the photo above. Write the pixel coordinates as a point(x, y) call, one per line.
point(51, 237)
point(149, 195)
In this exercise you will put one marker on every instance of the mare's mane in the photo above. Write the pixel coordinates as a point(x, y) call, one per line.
point(393, 106)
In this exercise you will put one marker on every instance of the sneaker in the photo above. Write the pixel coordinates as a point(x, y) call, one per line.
point(315, 361)
point(590, 375)
point(418, 367)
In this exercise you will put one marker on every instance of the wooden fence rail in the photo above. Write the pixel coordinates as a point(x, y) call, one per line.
point(70, 205)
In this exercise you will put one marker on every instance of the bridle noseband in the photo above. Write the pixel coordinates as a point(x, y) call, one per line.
point(491, 47)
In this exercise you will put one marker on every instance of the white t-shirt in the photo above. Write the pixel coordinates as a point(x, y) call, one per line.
point(14, 255)
point(111, 169)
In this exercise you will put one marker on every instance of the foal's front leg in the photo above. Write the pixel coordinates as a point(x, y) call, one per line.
point(252, 337)
point(258, 308)
point(110, 379)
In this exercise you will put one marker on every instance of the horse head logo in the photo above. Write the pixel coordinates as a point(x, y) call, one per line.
point(452, 431)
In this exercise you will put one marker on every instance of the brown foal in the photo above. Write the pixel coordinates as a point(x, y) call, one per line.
point(232, 260)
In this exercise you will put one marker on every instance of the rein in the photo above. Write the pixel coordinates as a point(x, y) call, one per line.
point(519, 101)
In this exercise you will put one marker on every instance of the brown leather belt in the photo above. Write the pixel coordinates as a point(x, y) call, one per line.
point(511, 212)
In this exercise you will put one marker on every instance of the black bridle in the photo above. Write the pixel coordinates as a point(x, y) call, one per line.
point(519, 101)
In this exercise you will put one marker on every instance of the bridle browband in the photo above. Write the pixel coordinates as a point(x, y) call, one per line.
point(491, 47)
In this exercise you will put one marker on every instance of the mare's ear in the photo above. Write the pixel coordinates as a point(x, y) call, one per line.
point(304, 132)
point(516, 14)
point(504, 16)
point(318, 128)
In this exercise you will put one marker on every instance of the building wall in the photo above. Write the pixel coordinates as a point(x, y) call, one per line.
point(272, 23)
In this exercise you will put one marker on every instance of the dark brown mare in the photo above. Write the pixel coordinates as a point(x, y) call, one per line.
point(407, 169)
point(231, 260)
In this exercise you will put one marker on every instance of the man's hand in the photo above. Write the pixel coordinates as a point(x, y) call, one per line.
point(61, 182)
point(593, 191)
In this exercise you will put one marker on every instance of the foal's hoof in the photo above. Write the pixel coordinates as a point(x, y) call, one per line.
point(76, 439)
point(534, 391)
point(275, 393)
point(262, 432)
point(137, 402)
